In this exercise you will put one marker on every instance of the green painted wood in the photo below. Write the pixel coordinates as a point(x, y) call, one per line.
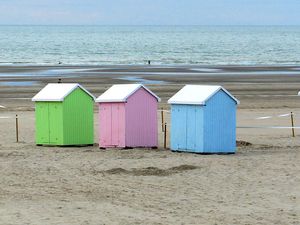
point(70, 122)
point(56, 136)
point(49, 127)
point(42, 123)
point(78, 118)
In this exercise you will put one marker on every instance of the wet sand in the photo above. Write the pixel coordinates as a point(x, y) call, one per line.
point(50, 185)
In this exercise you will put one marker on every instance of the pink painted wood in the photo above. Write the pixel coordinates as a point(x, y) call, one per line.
point(141, 120)
point(130, 124)
point(112, 125)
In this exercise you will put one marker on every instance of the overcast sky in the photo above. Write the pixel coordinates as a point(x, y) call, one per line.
point(151, 12)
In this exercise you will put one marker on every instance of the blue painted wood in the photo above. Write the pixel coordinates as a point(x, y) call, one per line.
point(186, 128)
point(191, 127)
point(178, 127)
point(205, 129)
point(220, 124)
point(199, 120)
point(194, 128)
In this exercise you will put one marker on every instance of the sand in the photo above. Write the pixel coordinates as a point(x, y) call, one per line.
point(260, 184)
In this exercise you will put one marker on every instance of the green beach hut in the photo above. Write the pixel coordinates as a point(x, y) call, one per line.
point(64, 115)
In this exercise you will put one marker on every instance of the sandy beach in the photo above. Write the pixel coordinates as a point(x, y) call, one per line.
point(260, 184)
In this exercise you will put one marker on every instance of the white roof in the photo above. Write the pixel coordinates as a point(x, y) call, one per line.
point(57, 92)
point(197, 94)
point(121, 92)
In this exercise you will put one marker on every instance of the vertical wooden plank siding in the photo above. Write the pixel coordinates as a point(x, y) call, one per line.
point(191, 127)
point(205, 129)
point(178, 127)
point(121, 125)
point(55, 114)
point(186, 128)
point(195, 133)
point(220, 124)
point(70, 122)
point(105, 124)
point(49, 126)
point(199, 137)
point(42, 123)
point(115, 124)
point(141, 120)
point(112, 125)
point(78, 118)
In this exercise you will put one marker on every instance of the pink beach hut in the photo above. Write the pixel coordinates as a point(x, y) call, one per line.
point(128, 117)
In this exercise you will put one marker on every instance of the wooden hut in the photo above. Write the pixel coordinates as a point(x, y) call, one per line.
point(128, 117)
point(203, 120)
point(64, 115)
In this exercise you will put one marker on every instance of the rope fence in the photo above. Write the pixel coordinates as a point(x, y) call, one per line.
point(291, 115)
point(168, 111)
point(164, 124)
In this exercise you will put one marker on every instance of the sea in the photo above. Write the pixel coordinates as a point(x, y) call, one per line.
point(162, 45)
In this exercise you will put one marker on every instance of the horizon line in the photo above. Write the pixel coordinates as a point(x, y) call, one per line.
point(159, 25)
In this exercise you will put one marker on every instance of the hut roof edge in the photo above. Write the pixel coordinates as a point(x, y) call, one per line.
point(55, 92)
point(198, 94)
point(121, 92)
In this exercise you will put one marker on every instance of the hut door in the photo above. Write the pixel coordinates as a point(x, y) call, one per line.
point(42, 123)
point(105, 121)
point(191, 134)
point(112, 124)
point(115, 124)
point(179, 122)
point(186, 127)
point(54, 116)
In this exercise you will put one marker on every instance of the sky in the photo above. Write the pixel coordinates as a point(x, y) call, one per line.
point(150, 12)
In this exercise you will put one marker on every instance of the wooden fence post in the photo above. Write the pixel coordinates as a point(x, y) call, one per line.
point(165, 136)
point(292, 121)
point(162, 119)
point(17, 128)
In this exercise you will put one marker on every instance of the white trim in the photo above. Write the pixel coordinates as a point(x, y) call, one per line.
point(76, 85)
point(230, 95)
point(158, 98)
point(223, 89)
point(186, 102)
point(124, 99)
point(86, 91)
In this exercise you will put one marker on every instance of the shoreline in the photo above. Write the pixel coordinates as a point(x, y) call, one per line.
point(277, 85)
point(144, 70)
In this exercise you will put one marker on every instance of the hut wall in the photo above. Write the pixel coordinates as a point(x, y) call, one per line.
point(78, 118)
point(141, 120)
point(220, 124)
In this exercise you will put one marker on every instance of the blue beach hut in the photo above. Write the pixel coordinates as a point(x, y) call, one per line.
point(203, 120)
